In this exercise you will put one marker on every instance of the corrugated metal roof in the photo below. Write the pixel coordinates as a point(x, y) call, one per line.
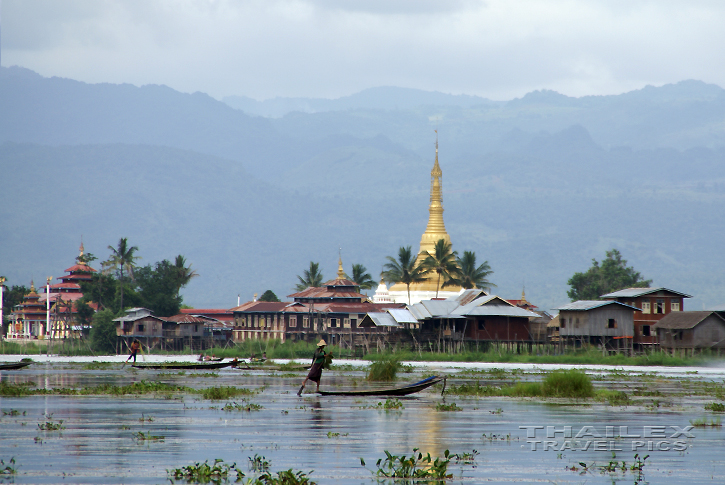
point(382, 319)
point(583, 305)
point(500, 311)
point(635, 292)
point(684, 320)
point(401, 315)
point(483, 300)
point(439, 307)
point(419, 311)
point(468, 296)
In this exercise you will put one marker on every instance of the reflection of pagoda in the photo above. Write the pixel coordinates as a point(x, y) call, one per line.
point(436, 230)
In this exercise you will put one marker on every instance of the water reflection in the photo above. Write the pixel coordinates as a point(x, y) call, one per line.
point(99, 441)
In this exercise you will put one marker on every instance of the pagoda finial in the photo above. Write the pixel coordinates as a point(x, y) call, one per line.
point(32, 286)
point(523, 296)
point(340, 271)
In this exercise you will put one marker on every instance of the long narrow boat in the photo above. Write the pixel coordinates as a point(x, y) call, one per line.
point(186, 365)
point(14, 365)
point(397, 391)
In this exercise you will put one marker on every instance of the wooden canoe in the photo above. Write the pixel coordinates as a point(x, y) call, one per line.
point(186, 365)
point(14, 365)
point(397, 391)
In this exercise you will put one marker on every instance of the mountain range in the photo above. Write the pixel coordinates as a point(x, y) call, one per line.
point(250, 192)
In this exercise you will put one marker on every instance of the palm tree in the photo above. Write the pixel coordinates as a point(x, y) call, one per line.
point(184, 273)
point(313, 277)
point(404, 270)
point(122, 257)
point(443, 262)
point(472, 276)
point(361, 277)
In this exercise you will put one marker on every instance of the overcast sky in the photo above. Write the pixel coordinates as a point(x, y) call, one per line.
point(498, 49)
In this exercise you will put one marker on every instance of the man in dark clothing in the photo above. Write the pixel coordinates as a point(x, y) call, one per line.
point(318, 360)
point(135, 346)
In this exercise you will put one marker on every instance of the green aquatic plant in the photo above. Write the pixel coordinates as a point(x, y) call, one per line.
point(147, 436)
point(613, 398)
point(704, 423)
point(244, 406)
point(715, 407)
point(448, 407)
point(567, 383)
point(9, 468)
point(284, 477)
point(216, 473)
point(259, 463)
point(383, 370)
point(416, 466)
point(224, 392)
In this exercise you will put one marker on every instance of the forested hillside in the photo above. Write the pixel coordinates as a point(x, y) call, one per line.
point(537, 186)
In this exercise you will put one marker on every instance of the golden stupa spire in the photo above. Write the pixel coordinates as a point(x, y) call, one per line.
point(80, 256)
point(340, 271)
point(436, 229)
point(523, 296)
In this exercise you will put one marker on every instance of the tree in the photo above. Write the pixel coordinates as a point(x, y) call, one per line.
point(103, 332)
point(122, 258)
point(443, 263)
point(612, 275)
point(158, 290)
point(313, 277)
point(268, 296)
point(404, 270)
point(102, 289)
point(184, 273)
point(472, 276)
point(361, 277)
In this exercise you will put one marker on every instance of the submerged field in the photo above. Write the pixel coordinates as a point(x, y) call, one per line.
point(98, 422)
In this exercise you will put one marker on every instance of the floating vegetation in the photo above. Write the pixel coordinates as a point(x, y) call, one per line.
point(216, 473)
point(613, 398)
point(224, 392)
point(50, 425)
point(415, 466)
point(496, 437)
point(13, 412)
point(146, 419)
point(448, 407)
point(383, 370)
point(258, 463)
point(497, 411)
point(248, 407)
point(466, 458)
point(389, 405)
point(9, 468)
point(95, 365)
point(147, 436)
point(715, 407)
point(704, 423)
point(285, 477)
point(330, 434)
point(562, 384)
point(614, 466)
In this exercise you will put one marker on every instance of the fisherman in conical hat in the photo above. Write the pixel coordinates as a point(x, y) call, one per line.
point(318, 360)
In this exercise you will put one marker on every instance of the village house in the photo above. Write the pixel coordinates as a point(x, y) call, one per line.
point(607, 323)
point(332, 311)
point(653, 303)
point(691, 331)
point(473, 316)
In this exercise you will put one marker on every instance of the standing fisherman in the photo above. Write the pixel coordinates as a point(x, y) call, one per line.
point(318, 361)
point(135, 346)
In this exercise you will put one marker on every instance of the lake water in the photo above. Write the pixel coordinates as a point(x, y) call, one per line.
point(327, 436)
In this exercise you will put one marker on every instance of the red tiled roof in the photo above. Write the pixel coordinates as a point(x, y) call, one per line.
point(66, 285)
point(340, 282)
point(205, 311)
point(80, 267)
point(82, 277)
point(317, 292)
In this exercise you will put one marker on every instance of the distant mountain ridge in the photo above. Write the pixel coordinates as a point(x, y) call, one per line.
point(538, 186)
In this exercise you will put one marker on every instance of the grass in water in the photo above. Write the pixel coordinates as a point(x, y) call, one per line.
point(9, 468)
point(715, 407)
point(224, 392)
point(383, 370)
point(704, 423)
point(563, 384)
point(448, 407)
point(248, 407)
point(216, 472)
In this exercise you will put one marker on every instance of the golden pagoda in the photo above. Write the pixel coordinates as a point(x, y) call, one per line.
point(435, 230)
